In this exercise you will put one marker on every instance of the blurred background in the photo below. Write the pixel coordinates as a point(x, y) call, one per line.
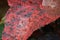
point(3, 8)
point(48, 32)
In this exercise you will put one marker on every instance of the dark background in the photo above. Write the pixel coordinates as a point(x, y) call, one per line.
point(3, 8)
point(48, 32)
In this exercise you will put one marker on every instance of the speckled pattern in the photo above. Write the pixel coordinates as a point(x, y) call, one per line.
point(23, 18)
